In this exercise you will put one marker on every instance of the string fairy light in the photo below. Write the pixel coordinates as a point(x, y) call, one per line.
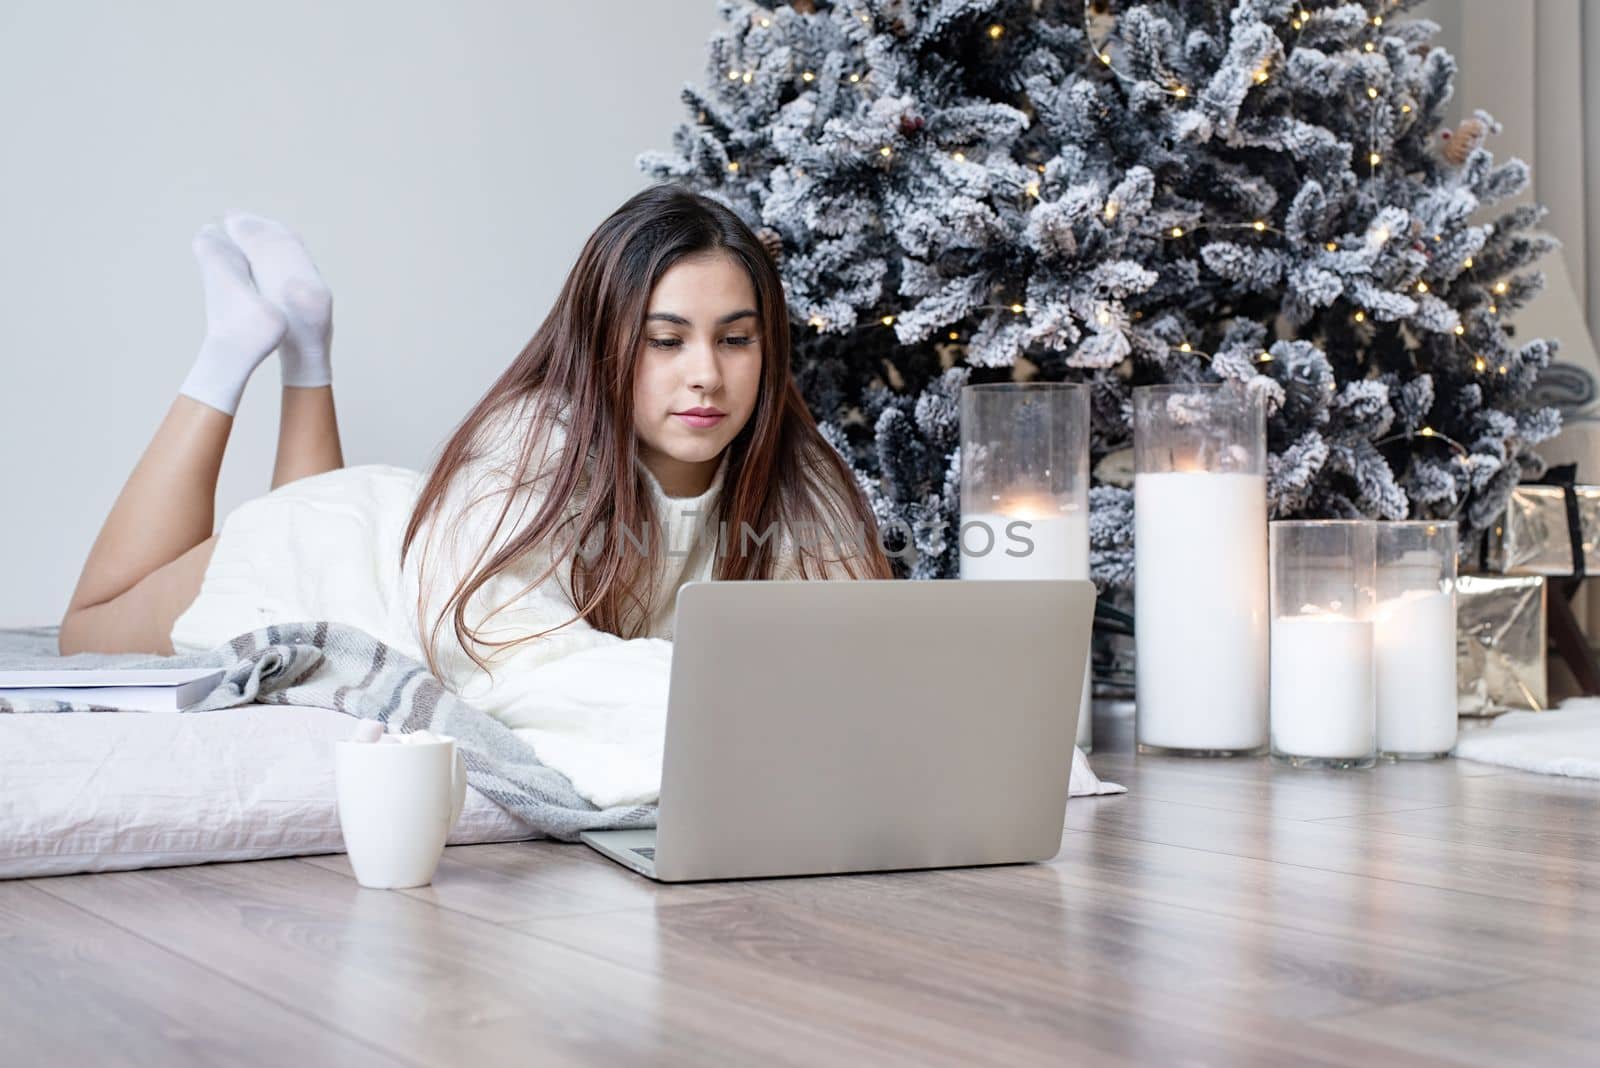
point(1430, 434)
point(1173, 89)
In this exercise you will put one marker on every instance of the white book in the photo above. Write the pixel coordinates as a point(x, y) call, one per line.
point(133, 689)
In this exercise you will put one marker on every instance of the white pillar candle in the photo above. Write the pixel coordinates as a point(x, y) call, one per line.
point(1059, 550)
point(1416, 664)
point(1200, 610)
point(1323, 687)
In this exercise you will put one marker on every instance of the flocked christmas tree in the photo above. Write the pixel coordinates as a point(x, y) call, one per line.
point(1129, 193)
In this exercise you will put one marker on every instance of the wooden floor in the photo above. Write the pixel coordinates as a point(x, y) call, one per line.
point(1222, 913)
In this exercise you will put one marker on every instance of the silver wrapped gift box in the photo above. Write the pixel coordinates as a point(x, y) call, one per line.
point(1532, 537)
point(1500, 643)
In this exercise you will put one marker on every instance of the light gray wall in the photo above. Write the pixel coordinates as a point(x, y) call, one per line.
point(444, 161)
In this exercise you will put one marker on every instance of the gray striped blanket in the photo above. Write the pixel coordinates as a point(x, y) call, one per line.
point(330, 665)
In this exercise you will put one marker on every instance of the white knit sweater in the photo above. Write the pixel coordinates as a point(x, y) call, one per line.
point(592, 704)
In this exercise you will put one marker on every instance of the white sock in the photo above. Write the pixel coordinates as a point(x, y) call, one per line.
point(242, 328)
point(286, 276)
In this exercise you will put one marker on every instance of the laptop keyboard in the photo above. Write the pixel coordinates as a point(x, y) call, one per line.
point(647, 852)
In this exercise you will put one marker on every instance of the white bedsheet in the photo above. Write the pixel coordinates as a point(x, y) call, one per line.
point(106, 791)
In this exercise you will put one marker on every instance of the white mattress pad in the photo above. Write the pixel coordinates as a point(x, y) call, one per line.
point(107, 791)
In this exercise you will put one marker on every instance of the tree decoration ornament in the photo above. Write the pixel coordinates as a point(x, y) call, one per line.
point(1125, 193)
point(772, 241)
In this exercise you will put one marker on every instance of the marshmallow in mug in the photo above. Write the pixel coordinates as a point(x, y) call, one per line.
point(370, 730)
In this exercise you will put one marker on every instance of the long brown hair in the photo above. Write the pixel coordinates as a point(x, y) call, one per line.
point(781, 472)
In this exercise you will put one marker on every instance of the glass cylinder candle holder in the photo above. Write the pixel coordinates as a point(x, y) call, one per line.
point(1415, 636)
point(1324, 676)
point(1025, 489)
point(1200, 559)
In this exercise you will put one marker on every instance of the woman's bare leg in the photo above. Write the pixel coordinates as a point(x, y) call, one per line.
point(308, 435)
point(146, 565)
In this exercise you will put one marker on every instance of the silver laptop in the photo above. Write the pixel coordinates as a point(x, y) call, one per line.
point(824, 727)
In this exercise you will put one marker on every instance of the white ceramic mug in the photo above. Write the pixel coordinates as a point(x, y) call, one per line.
point(397, 804)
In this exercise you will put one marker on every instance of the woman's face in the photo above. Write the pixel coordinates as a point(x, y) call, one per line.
point(701, 351)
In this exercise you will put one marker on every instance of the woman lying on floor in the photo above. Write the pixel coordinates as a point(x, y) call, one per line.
point(650, 434)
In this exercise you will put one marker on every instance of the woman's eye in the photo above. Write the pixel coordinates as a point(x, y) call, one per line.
point(664, 342)
point(740, 340)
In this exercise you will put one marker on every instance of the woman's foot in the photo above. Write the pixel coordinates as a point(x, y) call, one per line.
point(242, 328)
point(286, 276)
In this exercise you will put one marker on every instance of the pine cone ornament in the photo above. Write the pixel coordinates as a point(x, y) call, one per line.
point(772, 241)
point(910, 123)
point(1468, 136)
point(805, 7)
